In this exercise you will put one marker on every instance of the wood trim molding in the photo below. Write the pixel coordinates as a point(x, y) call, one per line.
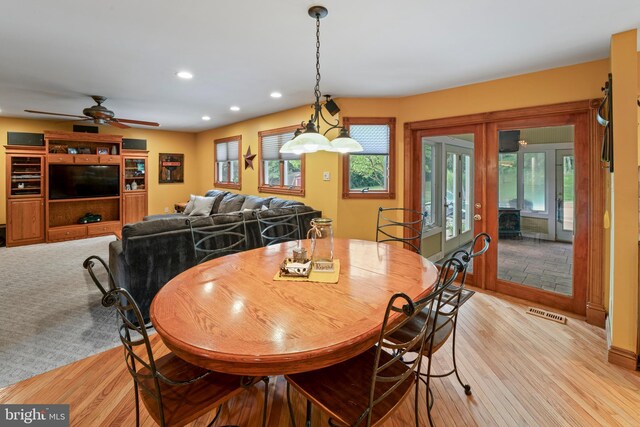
point(623, 358)
point(391, 192)
point(596, 313)
point(231, 185)
point(495, 116)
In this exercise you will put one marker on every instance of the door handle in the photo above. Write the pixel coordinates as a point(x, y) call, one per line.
point(477, 217)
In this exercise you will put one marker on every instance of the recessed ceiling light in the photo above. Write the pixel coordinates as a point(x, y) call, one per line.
point(184, 75)
point(276, 95)
point(206, 118)
point(234, 108)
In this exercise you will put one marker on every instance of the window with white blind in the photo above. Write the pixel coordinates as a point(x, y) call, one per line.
point(370, 174)
point(226, 154)
point(279, 173)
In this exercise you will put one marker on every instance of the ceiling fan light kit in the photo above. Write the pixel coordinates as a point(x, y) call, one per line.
point(308, 138)
point(100, 115)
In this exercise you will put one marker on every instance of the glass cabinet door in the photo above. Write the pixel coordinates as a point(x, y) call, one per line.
point(135, 174)
point(26, 176)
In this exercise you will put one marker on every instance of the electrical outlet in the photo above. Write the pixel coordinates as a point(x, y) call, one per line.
point(326, 176)
point(166, 209)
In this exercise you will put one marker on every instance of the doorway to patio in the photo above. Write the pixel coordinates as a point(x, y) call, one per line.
point(536, 171)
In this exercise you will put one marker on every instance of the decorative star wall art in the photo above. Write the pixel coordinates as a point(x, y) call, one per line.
point(248, 159)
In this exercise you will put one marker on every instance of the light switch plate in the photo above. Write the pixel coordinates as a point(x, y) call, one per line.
point(326, 176)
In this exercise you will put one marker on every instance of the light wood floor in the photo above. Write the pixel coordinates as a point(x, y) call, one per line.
point(524, 371)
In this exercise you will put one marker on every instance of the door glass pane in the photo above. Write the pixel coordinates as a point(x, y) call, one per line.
point(534, 191)
point(534, 171)
point(428, 184)
point(508, 180)
point(466, 193)
point(451, 203)
point(568, 170)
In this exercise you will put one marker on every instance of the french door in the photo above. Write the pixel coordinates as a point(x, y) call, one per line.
point(539, 196)
point(537, 210)
point(448, 190)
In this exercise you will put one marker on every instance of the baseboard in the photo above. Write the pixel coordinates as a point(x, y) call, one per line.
point(596, 315)
point(623, 358)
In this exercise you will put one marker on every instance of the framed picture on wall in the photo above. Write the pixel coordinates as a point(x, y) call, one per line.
point(171, 168)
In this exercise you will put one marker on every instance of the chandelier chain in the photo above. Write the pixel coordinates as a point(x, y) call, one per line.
point(317, 88)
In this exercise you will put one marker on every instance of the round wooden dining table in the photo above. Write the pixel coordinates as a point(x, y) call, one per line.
point(229, 315)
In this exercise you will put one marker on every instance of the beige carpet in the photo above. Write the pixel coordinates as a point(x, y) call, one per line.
point(50, 311)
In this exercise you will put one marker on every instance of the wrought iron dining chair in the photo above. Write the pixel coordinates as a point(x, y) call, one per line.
point(227, 235)
point(173, 391)
point(366, 389)
point(278, 225)
point(445, 317)
point(407, 230)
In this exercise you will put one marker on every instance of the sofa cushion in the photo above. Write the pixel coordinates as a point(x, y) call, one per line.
point(283, 203)
point(231, 203)
point(164, 216)
point(219, 195)
point(190, 205)
point(255, 202)
point(202, 206)
point(158, 226)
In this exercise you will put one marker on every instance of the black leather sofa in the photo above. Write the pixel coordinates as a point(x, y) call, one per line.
point(159, 248)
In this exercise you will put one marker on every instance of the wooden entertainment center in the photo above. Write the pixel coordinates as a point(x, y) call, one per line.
point(35, 216)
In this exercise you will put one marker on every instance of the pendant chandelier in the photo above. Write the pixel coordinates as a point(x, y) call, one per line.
point(308, 138)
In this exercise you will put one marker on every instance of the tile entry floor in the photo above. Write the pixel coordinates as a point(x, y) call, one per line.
point(541, 264)
point(537, 263)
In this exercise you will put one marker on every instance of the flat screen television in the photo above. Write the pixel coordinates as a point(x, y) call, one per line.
point(82, 181)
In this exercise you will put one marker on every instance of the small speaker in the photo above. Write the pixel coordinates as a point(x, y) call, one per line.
point(508, 141)
point(134, 144)
point(332, 107)
point(85, 129)
point(24, 138)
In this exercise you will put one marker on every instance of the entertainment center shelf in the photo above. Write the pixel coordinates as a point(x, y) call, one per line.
point(51, 187)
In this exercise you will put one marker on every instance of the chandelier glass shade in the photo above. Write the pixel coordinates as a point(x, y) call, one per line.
point(308, 138)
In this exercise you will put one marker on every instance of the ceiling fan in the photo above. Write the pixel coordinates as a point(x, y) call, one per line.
point(100, 115)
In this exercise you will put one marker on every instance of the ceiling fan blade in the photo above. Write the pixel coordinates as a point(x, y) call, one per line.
point(54, 114)
point(117, 124)
point(136, 122)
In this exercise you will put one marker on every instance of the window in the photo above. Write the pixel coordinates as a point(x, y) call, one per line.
point(370, 174)
point(534, 182)
point(522, 181)
point(226, 155)
point(508, 180)
point(279, 173)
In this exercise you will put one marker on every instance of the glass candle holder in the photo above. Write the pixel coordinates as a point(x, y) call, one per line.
point(321, 240)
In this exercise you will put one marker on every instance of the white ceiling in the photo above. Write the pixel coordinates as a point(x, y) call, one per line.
point(54, 53)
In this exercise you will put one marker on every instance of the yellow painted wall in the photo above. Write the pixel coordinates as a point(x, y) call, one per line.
point(357, 218)
point(623, 304)
point(571, 83)
point(319, 194)
point(160, 195)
